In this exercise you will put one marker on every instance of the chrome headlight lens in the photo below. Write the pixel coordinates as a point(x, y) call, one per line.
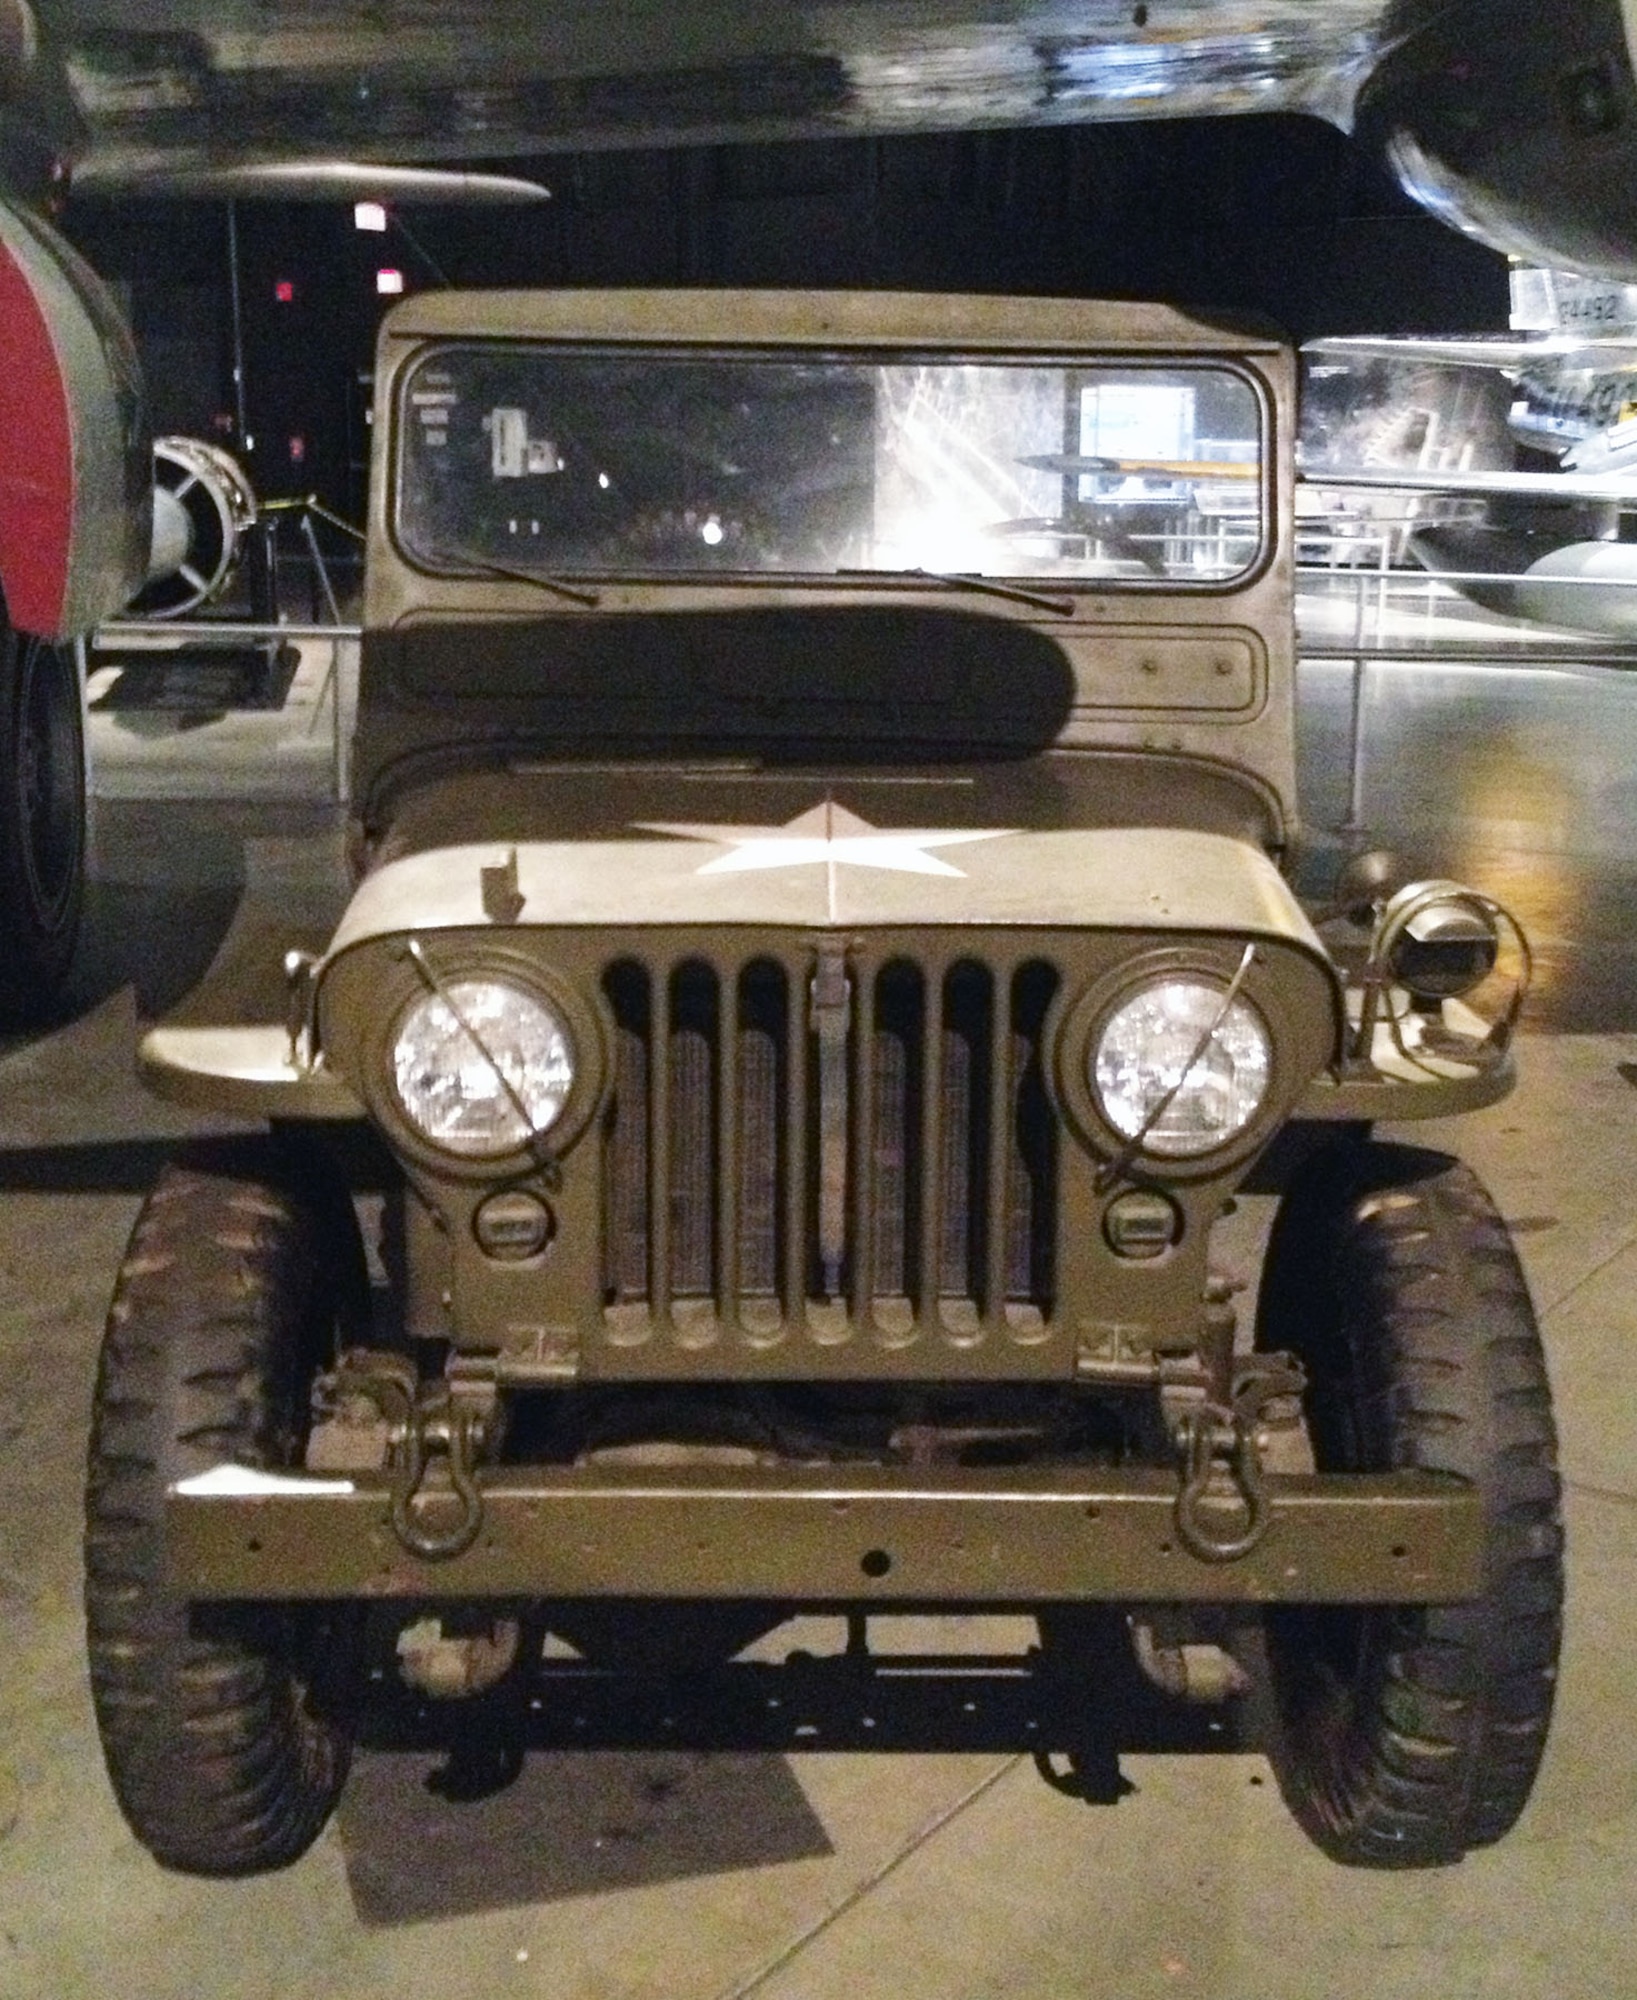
point(453, 1058)
point(1144, 1048)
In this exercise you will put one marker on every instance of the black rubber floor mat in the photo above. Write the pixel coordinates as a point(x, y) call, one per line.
point(199, 680)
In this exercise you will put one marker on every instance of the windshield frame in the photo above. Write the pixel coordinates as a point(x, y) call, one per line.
point(856, 354)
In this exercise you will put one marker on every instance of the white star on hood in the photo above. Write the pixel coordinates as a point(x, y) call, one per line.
point(828, 833)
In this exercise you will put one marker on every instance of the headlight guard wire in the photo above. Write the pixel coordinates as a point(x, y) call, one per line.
point(1116, 1168)
point(534, 1143)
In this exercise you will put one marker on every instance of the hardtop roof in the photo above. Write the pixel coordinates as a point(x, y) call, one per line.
point(893, 319)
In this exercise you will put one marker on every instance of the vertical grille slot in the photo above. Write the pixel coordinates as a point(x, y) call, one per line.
point(861, 1118)
point(898, 1081)
point(659, 1148)
point(726, 1050)
point(799, 1246)
point(929, 1170)
point(762, 1153)
point(1031, 1241)
point(999, 1128)
point(969, 1006)
point(625, 1139)
point(692, 1179)
point(954, 1167)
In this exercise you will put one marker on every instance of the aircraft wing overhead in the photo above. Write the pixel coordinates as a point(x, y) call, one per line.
point(1566, 486)
point(1468, 102)
point(170, 86)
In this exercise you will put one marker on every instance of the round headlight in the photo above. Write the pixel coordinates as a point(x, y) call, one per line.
point(454, 1057)
point(1144, 1048)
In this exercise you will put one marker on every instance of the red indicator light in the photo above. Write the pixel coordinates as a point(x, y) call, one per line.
point(298, 450)
point(284, 291)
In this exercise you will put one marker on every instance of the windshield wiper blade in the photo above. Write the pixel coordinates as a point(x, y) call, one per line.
point(573, 592)
point(970, 580)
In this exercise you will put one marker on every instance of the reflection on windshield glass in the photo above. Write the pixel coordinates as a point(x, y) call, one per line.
point(580, 462)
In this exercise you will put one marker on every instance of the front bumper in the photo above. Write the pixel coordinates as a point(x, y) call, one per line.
point(822, 1534)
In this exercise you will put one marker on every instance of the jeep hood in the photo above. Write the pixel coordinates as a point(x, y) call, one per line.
point(828, 869)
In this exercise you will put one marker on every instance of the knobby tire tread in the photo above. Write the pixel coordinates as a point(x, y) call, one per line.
point(1392, 1275)
point(221, 1761)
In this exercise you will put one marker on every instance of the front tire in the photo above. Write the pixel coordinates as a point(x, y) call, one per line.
point(1409, 1734)
point(227, 1303)
point(42, 823)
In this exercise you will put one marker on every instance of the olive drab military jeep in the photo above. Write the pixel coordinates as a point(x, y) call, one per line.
point(821, 970)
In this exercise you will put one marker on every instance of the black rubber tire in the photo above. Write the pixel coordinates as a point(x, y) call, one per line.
point(1407, 1735)
point(42, 824)
point(223, 1756)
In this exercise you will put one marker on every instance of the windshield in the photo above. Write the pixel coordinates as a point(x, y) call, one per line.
point(616, 462)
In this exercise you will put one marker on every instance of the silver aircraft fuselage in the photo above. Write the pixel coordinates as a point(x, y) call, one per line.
point(164, 91)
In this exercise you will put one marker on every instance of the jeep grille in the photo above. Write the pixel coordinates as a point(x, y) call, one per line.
point(823, 1141)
